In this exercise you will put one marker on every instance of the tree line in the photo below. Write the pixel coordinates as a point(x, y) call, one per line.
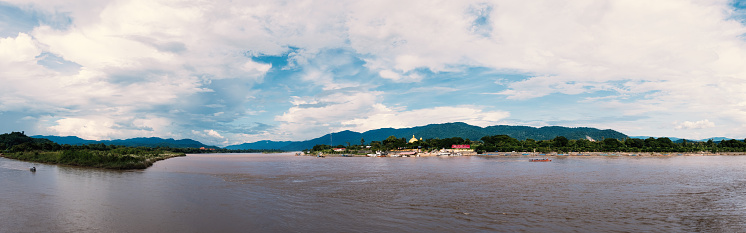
point(560, 144)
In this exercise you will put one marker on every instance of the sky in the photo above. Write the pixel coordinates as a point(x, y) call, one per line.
point(226, 72)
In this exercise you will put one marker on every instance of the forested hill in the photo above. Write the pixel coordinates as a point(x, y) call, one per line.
point(462, 130)
point(132, 142)
point(9, 140)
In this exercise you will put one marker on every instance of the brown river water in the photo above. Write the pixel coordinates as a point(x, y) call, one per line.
point(285, 193)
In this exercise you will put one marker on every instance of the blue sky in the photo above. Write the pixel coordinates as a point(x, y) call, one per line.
point(229, 72)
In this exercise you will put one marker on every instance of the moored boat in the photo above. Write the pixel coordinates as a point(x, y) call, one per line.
point(377, 154)
point(540, 160)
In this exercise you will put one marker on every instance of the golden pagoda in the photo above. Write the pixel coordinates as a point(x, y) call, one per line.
point(413, 140)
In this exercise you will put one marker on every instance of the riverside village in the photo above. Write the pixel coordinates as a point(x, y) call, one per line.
point(503, 145)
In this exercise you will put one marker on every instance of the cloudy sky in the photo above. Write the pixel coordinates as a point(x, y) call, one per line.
point(226, 72)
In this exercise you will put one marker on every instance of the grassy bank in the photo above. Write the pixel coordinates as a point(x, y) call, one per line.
point(111, 159)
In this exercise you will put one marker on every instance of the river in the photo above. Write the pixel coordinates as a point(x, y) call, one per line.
point(285, 193)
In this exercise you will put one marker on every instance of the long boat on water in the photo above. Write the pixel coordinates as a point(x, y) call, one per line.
point(540, 160)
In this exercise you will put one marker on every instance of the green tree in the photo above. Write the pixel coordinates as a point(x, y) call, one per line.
point(709, 143)
point(666, 144)
point(560, 141)
point(321, 147)
point(612, 144)
point(634, 142)
point(652, 143)
point(529, 144)
point(376, 145)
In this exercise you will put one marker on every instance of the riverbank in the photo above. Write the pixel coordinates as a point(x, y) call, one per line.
point(537, 154)
point(640, 154)
point(394, 154)
point(93, 159)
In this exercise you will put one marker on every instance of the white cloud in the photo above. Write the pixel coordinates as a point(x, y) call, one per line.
point(314, 116)
point(329, 109)
point(92, 129)
point(703, 124)
point(256, 68)
point(540, 86)
point(587, 46)
point(111, 126)
point(396, 77)
point(84, 104)
point(388, 74)
point(136, 56)
point(210, 137)
point(20, 49)
point(659, 59)
point(208, 133)
point(155, 35)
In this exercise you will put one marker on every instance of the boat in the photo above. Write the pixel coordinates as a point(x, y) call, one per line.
point(32, 169)
point(444, 154)
point(407, 154)
point(377, 154)
point(540, 160)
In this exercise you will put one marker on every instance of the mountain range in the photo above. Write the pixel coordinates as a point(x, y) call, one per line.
point(133, 142)
point(446, 130)
point(680, 140)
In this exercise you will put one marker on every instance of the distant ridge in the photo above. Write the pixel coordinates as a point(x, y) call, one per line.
point(69, 140)
point(134, 142)
point(260, 145)
point(680, 140)
point(449, 130)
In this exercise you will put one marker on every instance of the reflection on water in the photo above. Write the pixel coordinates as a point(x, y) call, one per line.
point(281, 192)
